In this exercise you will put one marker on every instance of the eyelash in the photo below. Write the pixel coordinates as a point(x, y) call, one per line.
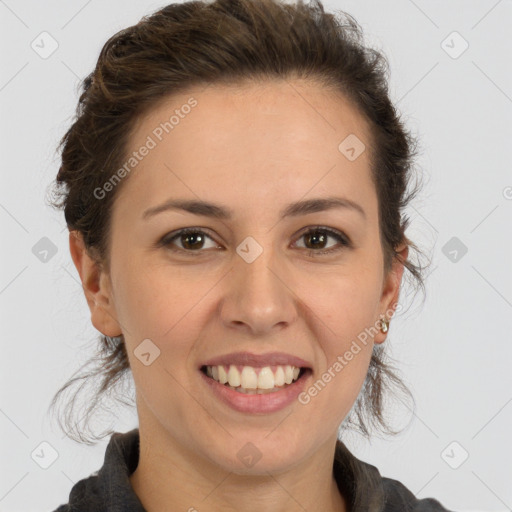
point(339, 236)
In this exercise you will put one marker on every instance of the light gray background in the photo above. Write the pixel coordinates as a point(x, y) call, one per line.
point(455, 350)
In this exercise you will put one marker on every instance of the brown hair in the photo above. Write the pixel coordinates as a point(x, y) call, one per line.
point(229, 42)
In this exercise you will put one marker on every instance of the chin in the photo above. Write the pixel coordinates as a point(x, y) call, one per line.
point(245, 457)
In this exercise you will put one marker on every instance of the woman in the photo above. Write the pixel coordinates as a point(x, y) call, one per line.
point(233, 187)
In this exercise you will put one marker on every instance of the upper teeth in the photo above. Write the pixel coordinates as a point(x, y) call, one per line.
point(249, 378)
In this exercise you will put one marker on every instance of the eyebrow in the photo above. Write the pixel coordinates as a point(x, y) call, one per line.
point(218, 211)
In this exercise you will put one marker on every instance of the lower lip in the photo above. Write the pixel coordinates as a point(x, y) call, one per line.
point(264, 403)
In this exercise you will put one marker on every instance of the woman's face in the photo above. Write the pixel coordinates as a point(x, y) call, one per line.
point(254, 282)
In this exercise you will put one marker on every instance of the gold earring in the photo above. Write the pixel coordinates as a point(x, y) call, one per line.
point(384, 325)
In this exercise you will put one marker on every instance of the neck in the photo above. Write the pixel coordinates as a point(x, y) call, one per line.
point(171, 477)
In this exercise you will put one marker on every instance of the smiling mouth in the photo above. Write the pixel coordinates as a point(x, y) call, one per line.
point(255, 380)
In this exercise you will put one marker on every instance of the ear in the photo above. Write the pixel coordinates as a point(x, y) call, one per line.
point(96, 285)
point(391, 290)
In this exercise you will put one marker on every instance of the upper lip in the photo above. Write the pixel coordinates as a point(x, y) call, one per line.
point(257, 360)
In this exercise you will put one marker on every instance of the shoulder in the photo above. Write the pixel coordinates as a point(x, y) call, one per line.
point(86, 494)
point(399, 497)
point(367, 490)
point(109, 487)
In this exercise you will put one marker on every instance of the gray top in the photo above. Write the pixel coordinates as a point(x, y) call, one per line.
point(110, 490)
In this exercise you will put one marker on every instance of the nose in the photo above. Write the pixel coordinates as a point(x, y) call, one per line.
point(259, 296)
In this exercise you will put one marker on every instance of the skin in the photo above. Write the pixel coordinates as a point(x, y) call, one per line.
point(254, 149)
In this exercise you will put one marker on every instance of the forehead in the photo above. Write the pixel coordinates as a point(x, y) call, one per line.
point(254, 142)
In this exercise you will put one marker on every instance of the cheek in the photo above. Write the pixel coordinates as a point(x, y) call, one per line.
point(162, 305)
point(345, 302)
point(159, 300)
point(342, 315)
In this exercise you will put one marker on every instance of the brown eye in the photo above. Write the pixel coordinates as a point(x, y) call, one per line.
point(192, 240)
point(317, 238)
